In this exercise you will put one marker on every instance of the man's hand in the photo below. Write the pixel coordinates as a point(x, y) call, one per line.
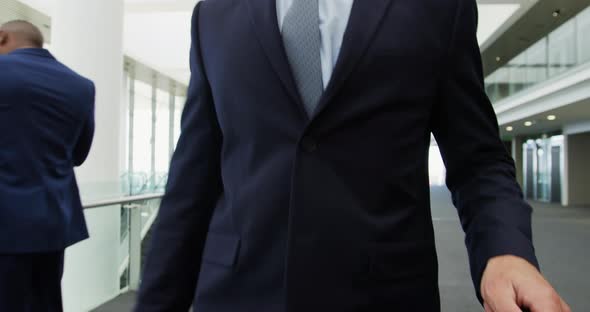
point(512, 284)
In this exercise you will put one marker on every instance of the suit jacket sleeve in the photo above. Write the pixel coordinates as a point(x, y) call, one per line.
point(480, 172)
point(194, 186)
point(84, 142)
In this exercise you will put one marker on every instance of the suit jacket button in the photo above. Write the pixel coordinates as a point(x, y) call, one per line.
point(309, 144)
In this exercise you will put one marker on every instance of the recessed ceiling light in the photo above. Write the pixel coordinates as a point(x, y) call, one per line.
point(498, 58)
point(528, 123)
point(509, 128)
point(556, 13)
point(551, 117)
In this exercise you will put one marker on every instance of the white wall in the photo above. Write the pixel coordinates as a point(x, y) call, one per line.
point(88, 37)
point(91, 267)
point(576, 128)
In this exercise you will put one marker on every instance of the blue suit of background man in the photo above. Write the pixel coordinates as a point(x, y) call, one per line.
point(46, 128)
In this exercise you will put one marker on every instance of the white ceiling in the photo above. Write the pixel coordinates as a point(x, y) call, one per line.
point(157, 32)
point(492, 16)
point(571, 114)
point(44, 6)
point(161, 40)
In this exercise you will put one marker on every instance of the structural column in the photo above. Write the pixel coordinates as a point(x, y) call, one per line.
point(154, 127)
point(577, 169)
point(87, 36)
point(172, 114)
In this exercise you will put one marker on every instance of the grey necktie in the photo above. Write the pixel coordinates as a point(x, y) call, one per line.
point(301, 37)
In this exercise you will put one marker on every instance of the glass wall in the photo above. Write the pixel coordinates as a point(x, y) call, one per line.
point(142, 128)
point(153, 117)
point(563, 49)
point(583, 37)
point(180, 101)
point(163, 128)
point(535, 69)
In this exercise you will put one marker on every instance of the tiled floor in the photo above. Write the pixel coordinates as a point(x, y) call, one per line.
point(562, 238)
point(123, 303)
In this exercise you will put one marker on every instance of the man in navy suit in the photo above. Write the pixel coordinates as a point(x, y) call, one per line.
point(300, 181)
point(46, 128)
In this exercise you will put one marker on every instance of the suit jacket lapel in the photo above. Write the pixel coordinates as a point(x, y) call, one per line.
point(364, 21)
point(264, 18)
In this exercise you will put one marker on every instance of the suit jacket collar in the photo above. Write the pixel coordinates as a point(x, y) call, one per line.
point(32, 51)
point(364, 21)
point(265, 20)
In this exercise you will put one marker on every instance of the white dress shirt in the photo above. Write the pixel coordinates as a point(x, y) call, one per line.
point(334, 15)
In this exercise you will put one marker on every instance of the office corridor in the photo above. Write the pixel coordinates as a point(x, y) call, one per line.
point(562, 241)
point(562, 238)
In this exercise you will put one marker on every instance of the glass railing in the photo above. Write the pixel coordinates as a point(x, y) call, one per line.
point(129, 184)
point(109, 262)
point(565, 48)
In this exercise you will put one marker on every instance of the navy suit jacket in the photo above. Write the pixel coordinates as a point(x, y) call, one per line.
point(267, 209)
point(46, 128)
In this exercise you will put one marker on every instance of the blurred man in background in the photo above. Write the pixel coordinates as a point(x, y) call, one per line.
point(46, 128)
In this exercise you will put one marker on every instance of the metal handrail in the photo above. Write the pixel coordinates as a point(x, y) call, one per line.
point(122, 200)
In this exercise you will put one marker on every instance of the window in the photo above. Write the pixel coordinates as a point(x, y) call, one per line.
point(562, 48)
point(142, 128)
point(583, 31)
point(162, 125)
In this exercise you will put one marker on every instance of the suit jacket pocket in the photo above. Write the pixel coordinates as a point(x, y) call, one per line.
point(23, 207)
point(221, 249)
point(399, 261)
